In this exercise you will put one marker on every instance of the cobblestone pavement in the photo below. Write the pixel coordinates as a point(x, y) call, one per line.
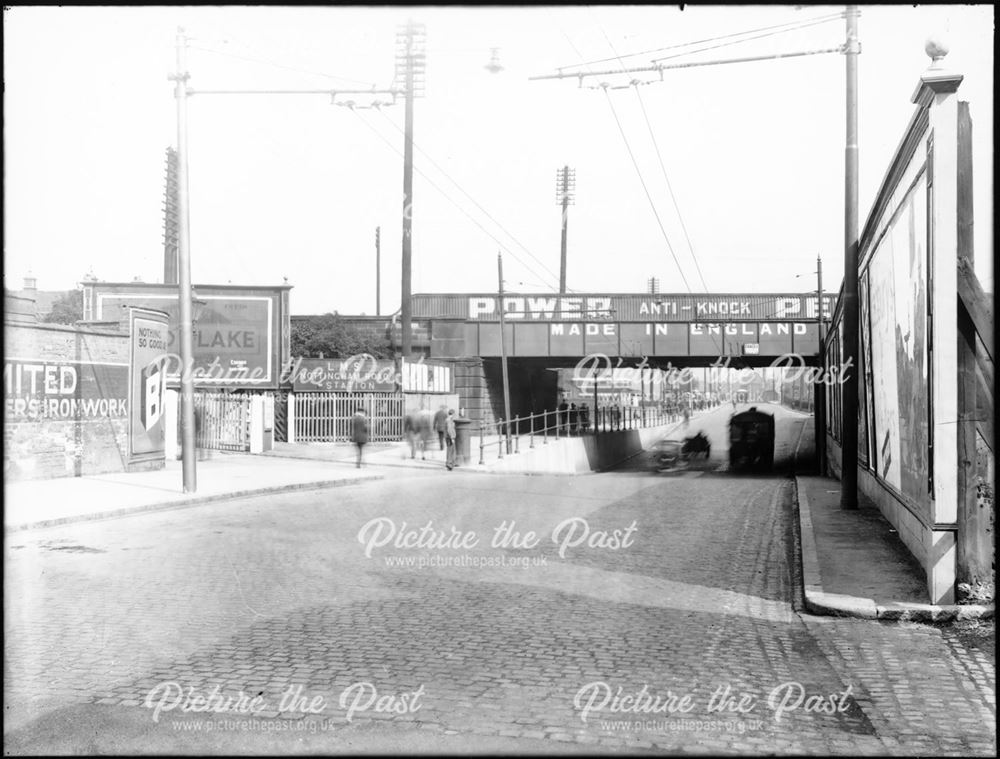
point(535, 649)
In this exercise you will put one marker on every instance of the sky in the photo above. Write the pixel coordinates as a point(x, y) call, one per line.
point(743, 163)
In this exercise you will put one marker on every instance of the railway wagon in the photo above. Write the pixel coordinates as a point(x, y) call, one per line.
point(751, 440)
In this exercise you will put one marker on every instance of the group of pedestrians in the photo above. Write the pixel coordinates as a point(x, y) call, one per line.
point(419, 428)
point(571, 418)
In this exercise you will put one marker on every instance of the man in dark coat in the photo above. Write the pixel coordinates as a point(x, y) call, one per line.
point(359, 432)
point(440, 425)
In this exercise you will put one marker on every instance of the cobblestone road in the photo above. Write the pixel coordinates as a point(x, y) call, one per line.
point(479, 648)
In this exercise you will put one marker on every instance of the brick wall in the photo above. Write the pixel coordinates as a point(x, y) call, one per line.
point(472, 389)
point(66, 401)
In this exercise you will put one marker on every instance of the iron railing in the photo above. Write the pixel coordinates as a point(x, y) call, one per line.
point(557, 424)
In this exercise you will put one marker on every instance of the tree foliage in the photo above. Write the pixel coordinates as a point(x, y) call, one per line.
point(332, 337)
point(67, 309)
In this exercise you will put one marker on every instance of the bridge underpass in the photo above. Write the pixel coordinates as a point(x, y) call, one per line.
point(545, 337)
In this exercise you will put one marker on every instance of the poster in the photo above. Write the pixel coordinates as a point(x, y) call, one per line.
point(149, 339)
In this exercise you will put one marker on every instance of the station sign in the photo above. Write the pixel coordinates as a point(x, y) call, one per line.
point(361, 373)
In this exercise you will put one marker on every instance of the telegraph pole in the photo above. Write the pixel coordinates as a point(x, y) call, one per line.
point(410, 62)
point(849, 420)
point(184, 274)
point(819, 413)
point(565, 188)
point(503, 355)
point(170, 220)
point(378, 271)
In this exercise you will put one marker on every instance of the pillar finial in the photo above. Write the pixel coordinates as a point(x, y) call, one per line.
point(936, 48)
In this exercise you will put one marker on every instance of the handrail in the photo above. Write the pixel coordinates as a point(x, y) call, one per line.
point(562, 424)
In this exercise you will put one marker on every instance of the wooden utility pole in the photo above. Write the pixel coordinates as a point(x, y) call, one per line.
point(565, 188)
point(378, 271)
point(188, 457)
point(849, 357)
point(410, 64)
point(503, 355)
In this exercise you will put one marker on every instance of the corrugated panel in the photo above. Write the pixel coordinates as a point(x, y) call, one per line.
point(527, 307)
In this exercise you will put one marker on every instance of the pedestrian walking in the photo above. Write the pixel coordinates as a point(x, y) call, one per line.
point(687, 415)
point(584, 418)
point(440, 422)
point(411, 431)
point(563, 414)
point(359, 433)
point(425, 431)
point(449, 438)
point(572, 418)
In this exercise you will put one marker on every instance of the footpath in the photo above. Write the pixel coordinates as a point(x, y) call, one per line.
point(855, 564)
point(219, 476)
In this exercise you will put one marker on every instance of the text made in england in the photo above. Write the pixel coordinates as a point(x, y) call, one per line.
point(747, 329)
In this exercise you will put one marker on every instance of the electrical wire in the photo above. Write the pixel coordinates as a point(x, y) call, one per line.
point(715, 342)
point(659, 157)
point(737, 42)
point(280, 65)
point(649, 197)
point(670, 188)
point(821, 19)
point(474, 201)
point(448, 197)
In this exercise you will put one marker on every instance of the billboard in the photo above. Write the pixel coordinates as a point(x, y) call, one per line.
point(623, 307)
point(63, 389)
point(148, 344)
point(896, 342)
point(238, 332)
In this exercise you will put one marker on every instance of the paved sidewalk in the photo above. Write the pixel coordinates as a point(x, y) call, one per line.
point(854, 564)
point(45, 503)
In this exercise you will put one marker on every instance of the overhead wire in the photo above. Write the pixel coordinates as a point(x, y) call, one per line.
point(820, 19)
point(715, 342)
point(635, 164)
point(449, 198)
point(474, 201)
point(280, 65)
point(429, 158)
point(737, 42)
point(670, 188)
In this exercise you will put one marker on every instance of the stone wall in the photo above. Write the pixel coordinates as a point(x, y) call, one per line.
point(66, 401)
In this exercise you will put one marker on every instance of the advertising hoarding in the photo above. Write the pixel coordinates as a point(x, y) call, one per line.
point(148, 344)
point(63, 389)
point(238, 332)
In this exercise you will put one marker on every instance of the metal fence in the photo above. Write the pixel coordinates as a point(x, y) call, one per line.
point(222, 421)
point(327, 417)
